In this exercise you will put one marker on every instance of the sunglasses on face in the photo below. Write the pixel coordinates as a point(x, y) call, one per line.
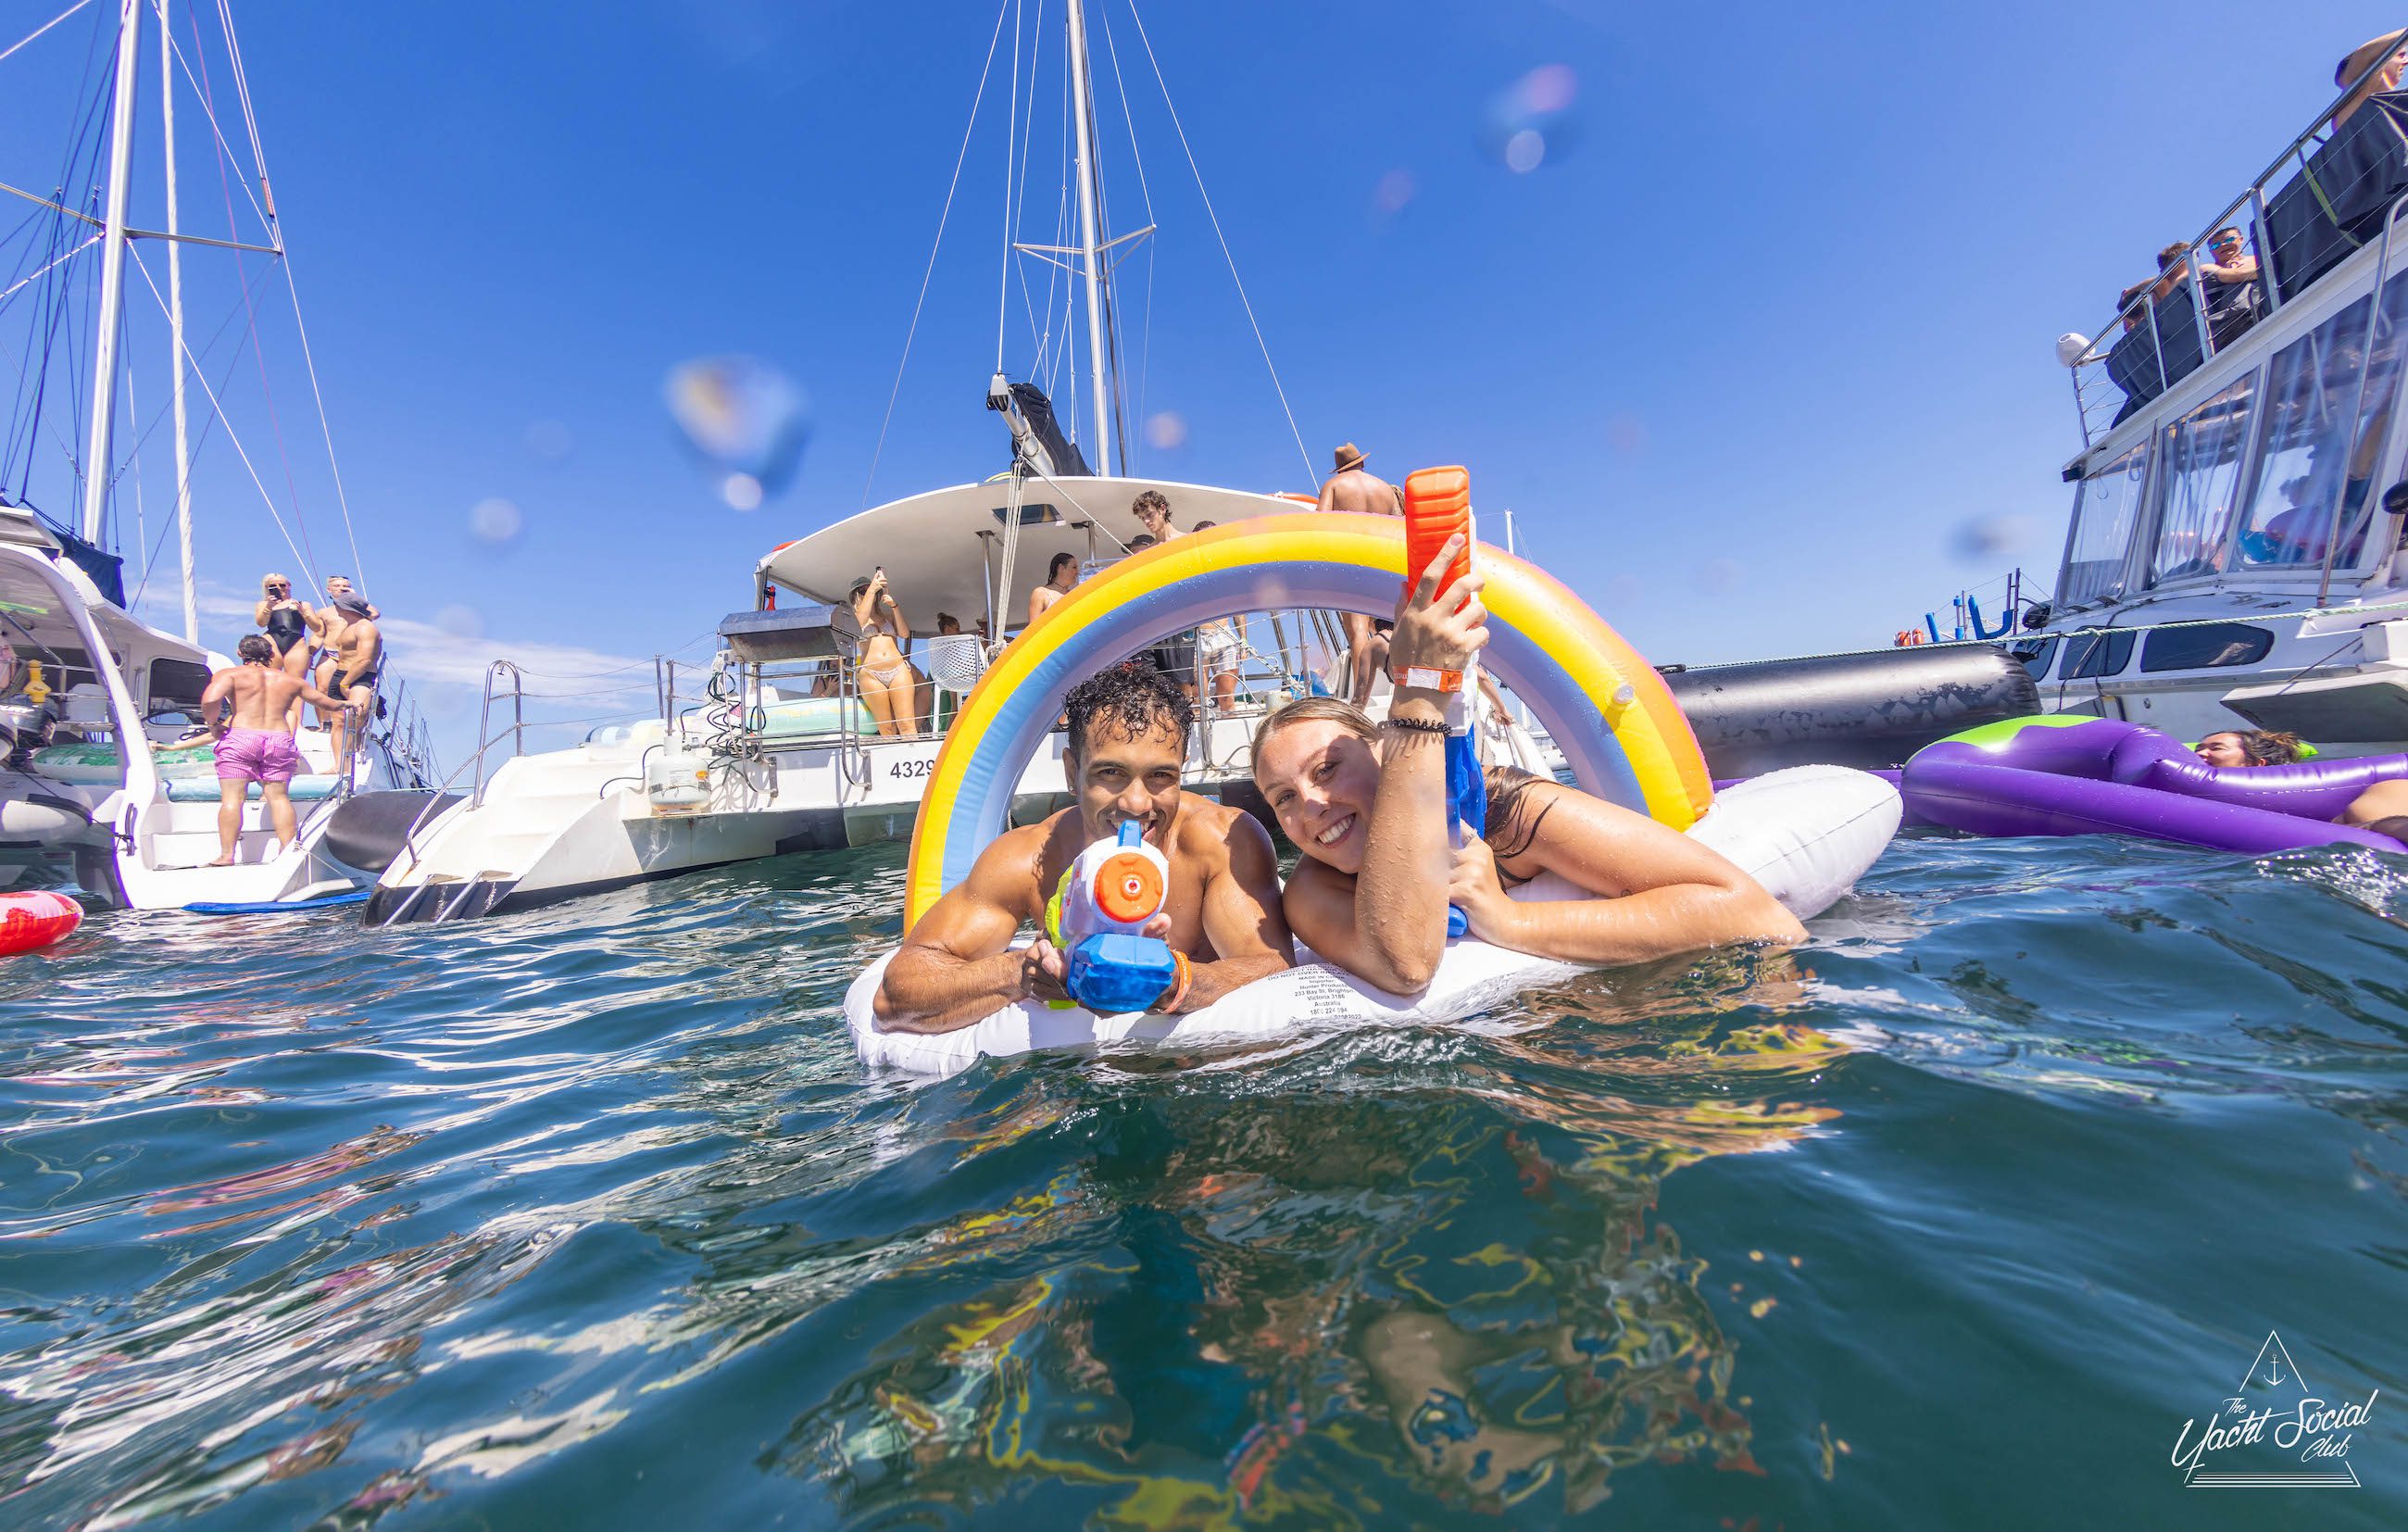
point(280, 588)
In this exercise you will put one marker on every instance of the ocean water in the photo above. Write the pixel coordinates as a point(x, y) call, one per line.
point(1958, 1217)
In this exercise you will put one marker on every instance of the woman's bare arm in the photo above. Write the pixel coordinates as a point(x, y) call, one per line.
point(1659, 891)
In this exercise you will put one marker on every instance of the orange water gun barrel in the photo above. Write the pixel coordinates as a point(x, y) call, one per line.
point(1437, 506)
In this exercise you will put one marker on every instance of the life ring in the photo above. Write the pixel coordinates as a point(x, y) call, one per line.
point(35, 917)
point(1805, 834)
point(2059, 773)
point(1607, 709)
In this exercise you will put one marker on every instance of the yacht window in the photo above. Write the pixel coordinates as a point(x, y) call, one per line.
point(2199, 481)
point(2207, 647)
point(2104, 512)
point(176, 683)
point(2313, 452)
point(2034, 654)
point(2089, 655)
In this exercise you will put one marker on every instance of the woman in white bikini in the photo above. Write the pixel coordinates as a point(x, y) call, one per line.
point(890, 687)
point(1059, 578)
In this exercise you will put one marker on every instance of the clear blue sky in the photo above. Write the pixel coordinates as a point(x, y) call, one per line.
point(1743, 354)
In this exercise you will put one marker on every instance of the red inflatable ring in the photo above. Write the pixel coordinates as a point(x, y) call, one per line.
point(35, 918)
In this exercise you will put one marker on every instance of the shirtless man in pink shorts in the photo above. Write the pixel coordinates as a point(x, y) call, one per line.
point(258, 745)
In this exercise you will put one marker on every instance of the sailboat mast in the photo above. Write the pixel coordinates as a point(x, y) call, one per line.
point(1089, 254)
point(112, 274)
point(176, 326)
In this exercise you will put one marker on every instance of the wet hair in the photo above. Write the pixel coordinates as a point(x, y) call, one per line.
point(1514, 813)
point(1054, 570)
point(1203, 525)
point(2264, 747)
point(1150, 500)
point(1144, 539)
point(255, 650)
point(1132, 698)
point(1337, 710)
point(2396, 828)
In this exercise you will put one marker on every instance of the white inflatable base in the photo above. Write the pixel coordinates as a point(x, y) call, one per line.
point(1806, 834)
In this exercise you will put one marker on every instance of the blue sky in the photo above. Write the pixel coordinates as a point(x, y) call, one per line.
point(1768, 326)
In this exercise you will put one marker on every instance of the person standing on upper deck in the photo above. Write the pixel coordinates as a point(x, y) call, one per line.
point(1354, 487)
point(2356, 63)
point(1175, 656)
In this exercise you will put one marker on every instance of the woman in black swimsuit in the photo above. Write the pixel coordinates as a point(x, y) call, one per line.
point(286, 622)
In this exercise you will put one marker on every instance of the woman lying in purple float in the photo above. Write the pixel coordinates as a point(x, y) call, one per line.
point(2064, 775)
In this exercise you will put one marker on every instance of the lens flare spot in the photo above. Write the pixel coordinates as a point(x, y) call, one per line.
point(1530, 121)
point(1166, 432)
point(1984, 538)
point(549, 441)
point(743, 418)
point(496, 520)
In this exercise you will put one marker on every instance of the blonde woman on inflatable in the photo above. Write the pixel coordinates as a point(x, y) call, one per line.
point(1368, 806)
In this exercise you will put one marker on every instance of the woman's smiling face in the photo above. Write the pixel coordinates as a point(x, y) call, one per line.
point(1319, 779)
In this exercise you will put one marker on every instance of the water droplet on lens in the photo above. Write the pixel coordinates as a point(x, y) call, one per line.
point(1990, 538)
point(743, 417)
point(461, 622)
point(1166, 432)
point(1396, 188)
point(549, 441)
point(1530, 121)
point(742, 491)
point(494, 521)
point(1717, 576)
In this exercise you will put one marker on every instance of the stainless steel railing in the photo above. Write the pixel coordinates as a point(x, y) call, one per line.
point(2090, 399)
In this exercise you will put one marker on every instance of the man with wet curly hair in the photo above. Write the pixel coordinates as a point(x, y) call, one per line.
point(1128, 729)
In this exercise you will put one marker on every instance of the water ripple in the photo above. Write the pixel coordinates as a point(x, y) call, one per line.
point(588, 1217)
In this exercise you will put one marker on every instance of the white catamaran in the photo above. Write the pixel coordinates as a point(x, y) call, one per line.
point(101, 781)
point(777, 752)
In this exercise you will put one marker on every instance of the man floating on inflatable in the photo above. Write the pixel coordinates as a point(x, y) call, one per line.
point(1220, 910)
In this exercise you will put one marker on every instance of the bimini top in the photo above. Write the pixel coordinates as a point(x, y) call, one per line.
point(936, 559)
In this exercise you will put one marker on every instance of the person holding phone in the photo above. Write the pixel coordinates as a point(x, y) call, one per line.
point(891, 688)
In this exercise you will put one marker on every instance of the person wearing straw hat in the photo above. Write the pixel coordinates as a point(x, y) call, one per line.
point(1351, 486)
point(2394, 62)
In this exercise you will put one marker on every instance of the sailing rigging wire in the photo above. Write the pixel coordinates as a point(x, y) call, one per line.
point(1019, 200)
point(1145, 194)
point(292, 286)
point(242, 273)
point(1215, 219)
point(44, 27)
point(1011, 142)
point(985, 71)
point(239, 452)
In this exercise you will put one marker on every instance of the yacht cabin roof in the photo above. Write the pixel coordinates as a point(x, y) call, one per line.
point(943, 551)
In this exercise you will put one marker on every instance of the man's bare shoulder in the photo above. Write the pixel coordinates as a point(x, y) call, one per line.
point(1207, 828)
point(1010, 872)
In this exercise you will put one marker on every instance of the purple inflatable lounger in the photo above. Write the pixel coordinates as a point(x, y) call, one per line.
point(2060, 774)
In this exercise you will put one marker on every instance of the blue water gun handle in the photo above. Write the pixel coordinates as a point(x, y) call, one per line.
point(1467, 803)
